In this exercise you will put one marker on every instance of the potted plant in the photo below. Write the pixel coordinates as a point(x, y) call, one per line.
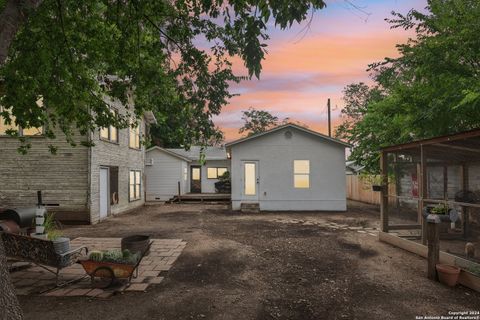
point(60, 243)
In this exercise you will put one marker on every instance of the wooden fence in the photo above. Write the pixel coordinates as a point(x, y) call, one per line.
point(359, 189)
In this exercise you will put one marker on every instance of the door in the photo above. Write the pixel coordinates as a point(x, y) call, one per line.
point(104, 192)
point(196, 179)
point(251, 180)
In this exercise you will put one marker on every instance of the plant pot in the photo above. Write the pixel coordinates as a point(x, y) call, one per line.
point(136, 243)
point(448, 274)
point(39, 236)
point(39, 221)
point(61, 245)
point(39, 229)
point(377, 188)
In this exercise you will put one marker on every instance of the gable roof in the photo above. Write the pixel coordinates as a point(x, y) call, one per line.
point(170, 153)
point(211, 153)
point(291, 125)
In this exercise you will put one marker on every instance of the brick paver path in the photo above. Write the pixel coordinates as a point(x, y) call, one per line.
point(151, 271)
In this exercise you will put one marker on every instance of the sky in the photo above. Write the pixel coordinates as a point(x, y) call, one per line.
point(304, 68)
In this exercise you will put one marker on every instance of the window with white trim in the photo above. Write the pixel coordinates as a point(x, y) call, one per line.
point(110, 133)
point(4, 127)
point(134, 135)
point(215, 173)
point(301, 174)
point(135, 185)
point(185, 174)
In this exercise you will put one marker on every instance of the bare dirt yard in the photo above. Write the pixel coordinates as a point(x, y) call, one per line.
point(265, 266)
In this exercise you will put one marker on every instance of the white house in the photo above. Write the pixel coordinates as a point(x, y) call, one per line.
point(288, 168)
point(166, 169)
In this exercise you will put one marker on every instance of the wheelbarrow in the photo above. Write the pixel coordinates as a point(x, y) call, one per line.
point(112, 270)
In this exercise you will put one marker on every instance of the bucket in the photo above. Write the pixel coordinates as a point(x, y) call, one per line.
point(61, 245)
point(136, 243)
point(448, 274)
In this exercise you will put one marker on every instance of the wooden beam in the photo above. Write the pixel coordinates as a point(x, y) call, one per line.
point(405, 227)
point(384, 192)
point(433, 245)
point(458, 147)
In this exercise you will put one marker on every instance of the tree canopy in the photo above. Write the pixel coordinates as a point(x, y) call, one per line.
point(432, 88)
point(256, 121)
point(172, 57)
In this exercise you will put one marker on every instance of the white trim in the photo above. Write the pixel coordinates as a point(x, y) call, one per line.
point(314, 133)
point(169, 152)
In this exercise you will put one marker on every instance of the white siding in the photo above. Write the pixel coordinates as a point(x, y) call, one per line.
point(276, 154)
point(164, 175)
point(208, 185)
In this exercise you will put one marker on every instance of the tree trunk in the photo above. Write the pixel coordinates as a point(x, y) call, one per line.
point(9, 306)
point(13, 15)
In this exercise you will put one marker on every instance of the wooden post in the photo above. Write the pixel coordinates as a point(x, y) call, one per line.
point(433, 244)
point(384, 192)
point(329, 119)
point(423, 192)
point(179, 193)
point(465, 210)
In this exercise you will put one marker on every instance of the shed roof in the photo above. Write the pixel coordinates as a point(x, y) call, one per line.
point(292, 125)
point(174, 154)
point(436, 140)
point(211, 153)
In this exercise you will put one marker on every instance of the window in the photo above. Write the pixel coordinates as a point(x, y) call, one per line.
point(215, 173)
point(110, 133)
point(114, 186)
point(301, 174)
point(185, 174)
point(134, 135)
point(135, 185)
point(12, 126)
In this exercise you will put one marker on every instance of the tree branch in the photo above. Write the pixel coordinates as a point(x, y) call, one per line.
point(13, 16)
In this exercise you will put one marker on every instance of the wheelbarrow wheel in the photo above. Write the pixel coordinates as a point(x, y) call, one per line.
point(102, 277)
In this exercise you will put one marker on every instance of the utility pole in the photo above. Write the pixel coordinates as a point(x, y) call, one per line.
point(329, 119)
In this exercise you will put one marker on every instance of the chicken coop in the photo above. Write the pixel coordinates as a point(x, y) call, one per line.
point(440, 175)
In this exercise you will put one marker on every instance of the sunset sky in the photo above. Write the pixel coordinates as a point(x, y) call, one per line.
point(303, 69)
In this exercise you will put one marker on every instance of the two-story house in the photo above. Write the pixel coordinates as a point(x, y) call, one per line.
point(81, 184)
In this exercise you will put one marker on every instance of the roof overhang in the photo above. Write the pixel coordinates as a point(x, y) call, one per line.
point(292, 125)
point(150, 117)
point(173, 154)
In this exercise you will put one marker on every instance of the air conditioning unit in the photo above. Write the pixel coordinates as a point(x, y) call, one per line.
point(149, 163)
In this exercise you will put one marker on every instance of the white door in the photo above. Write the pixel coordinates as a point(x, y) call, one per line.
point(104, 192)
point(251, 180)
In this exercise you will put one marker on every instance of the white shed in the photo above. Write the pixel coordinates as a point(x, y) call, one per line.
point(288, 168)
point(164, 170)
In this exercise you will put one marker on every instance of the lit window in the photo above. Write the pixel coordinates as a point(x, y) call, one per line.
point(301, 174)
point(215, 173)
point(4, 127)
point(134, 135)
point(110, 133)
point(135, 185)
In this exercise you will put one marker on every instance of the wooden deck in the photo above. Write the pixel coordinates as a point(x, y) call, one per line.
point(202, 197)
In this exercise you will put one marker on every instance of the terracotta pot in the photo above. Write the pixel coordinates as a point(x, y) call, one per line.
point(448, 274)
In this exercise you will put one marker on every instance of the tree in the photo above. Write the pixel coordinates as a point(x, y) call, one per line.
point(69, 54)
point(432, 88)
point(151, 49)
point(257, 121)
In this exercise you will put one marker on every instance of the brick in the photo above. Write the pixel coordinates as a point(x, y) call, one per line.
point(137, 287)
point(95, 292)
point(78, 292)
point(155, 280)
point(138, 279)
point(57, 293)
point(149, 274)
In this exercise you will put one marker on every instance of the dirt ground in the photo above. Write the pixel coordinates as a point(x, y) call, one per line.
point(246, 266)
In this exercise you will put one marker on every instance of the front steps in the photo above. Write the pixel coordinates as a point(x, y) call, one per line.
point(250, 207)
